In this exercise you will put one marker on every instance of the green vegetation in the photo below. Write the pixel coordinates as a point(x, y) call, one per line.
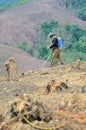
point(46, 27)
point(80, 45)
point(74, 38)
point(23, 46)
point(0, 75)
point(42, 52)
point(78, 7)
point(31, 51)
point(74, 41)
point(5, 4)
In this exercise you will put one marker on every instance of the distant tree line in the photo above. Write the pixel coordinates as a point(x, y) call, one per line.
point(77, 6)
point(74, 41)
point(5, 4)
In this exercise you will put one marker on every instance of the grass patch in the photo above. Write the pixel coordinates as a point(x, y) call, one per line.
point(69, 56)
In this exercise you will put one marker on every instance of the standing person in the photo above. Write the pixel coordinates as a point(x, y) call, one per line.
point(11, 66)
point(7, 69)
point(55, 50)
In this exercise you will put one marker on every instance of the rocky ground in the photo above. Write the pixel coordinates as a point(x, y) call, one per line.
point(67, 104)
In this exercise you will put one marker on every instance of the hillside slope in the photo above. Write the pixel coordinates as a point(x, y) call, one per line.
point(68, 105)
point(18, 24)
point(24, 61)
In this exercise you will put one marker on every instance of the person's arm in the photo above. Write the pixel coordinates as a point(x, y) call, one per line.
point(54, 43)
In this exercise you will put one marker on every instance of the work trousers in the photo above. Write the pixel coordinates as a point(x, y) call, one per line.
point(55, 56)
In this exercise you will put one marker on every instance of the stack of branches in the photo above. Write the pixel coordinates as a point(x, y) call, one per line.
point(25, 108)
point(30, 111)
point(56, 86)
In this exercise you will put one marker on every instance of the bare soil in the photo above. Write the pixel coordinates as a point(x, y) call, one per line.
point(68, 106)
point(24, 61)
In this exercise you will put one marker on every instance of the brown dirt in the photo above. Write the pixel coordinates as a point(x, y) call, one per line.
point(68, 106)
point(24, 61)
point(18, 24)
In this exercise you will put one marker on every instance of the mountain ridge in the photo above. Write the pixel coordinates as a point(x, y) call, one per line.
point(18, 24)
point(24, 61)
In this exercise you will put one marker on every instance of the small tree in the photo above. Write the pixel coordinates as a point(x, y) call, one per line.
point(80, 45)
point(23, 46)
point(42, 52)
point(46, 27)
point(31, 52)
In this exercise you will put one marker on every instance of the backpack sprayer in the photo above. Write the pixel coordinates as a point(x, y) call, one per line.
point(59, 44)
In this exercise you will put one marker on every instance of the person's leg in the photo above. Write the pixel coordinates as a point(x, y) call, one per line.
point(59, 58)
point(7, 67)
point(8, 73)
point(14, 70)
point(54, 57)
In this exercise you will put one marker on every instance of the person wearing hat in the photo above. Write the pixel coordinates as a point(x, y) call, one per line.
point(11, 66)
point(55, 50)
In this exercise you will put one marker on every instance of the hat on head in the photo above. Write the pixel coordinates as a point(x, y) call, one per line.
point(51, 35)
point(12, 59)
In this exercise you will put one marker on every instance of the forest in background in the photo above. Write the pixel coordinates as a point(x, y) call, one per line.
point(74, 41)
point(74, 38)
point(77, 6)
point(5, 4)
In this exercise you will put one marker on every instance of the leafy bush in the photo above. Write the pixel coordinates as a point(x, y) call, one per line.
point(46, 27)
point(71, 55)
point(23, 46)
point(42, 52)
point(80, 45)
point(78, 7)
point(82, 14)
point(30, 51)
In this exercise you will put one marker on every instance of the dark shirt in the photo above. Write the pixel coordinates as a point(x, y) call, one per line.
point(54, 43)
